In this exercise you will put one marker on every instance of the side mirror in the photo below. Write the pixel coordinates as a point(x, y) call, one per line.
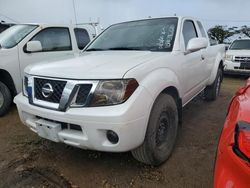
point(34, 46)
point(226, 48)
point(197, 44)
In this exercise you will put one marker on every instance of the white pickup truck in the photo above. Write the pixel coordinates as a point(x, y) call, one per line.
point(127, 89)
point(238, 58)
point(24, 44)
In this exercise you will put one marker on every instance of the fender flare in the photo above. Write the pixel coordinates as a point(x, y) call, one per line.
point(158, 80)
point(217, 64)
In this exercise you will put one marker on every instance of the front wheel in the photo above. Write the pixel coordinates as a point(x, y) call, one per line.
point(161, 132)
point(5, 99)
point(213, 91)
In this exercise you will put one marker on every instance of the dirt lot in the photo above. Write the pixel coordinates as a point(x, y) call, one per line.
point(28, 161)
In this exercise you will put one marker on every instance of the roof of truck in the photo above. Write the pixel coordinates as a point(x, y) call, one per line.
point(242, 39)
point(55, 24)
point(47, 24)
point(71, 25)
point(152, 18)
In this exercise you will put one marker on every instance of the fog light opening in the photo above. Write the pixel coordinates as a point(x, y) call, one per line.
point(112, 137)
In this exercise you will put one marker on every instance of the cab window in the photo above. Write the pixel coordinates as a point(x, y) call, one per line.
point(203, 32)
point(82, 37)
point(189, 31)
point(54, 39)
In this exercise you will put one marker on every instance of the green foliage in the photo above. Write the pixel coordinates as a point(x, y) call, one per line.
point(220, 33)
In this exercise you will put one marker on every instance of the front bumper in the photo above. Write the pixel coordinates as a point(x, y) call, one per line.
point(129, 120)
point(231, 67)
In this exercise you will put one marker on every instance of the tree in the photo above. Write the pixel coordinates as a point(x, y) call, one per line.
point(221, 33)
point(245, 30)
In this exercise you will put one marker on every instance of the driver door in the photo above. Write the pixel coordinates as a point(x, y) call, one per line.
point(56, 44)
point(193, 65)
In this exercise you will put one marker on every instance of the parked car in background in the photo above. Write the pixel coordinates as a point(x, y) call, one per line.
point(24, 44)
point(233, 156)
point(238, 58)
point(127, 90)
point(4, 26)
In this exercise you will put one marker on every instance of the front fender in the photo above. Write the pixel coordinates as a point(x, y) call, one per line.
point(160, 79)
point(9, 63)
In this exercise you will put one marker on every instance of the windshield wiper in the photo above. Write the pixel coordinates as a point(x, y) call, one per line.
point(115, 48)
point(125, 48)
point(95, 49)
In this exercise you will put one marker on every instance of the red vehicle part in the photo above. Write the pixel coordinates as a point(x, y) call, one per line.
point(232, 167)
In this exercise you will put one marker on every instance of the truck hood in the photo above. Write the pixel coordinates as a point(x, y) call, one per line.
point(93, 65)
point(238, 52)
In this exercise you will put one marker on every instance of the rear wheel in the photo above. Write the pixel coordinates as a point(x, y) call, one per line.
point(5, 99)
point(161, 132)
point(213, 91)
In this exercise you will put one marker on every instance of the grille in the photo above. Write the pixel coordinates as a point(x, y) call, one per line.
point(242, 59)
point(83, 93)
point(242, 68)
point(57, 85)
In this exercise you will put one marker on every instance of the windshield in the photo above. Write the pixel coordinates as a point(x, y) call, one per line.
point(240, 45)
point(12, 36)
point(153, 35)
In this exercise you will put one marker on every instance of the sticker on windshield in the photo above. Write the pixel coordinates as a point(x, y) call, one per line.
point(161, 40)
point(166, 37)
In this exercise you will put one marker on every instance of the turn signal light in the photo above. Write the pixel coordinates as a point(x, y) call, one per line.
point(242, 139)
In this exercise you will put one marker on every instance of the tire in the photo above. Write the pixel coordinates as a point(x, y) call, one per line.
point(161, 133)
point(212, 92)
point(5, 99)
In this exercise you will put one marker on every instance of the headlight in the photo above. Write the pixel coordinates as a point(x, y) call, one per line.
point(112, 92)
point(26, 86)
point(229, 57)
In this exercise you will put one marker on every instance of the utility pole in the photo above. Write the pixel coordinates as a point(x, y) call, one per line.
point(74, 9)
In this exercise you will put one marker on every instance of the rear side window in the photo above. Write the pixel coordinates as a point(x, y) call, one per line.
point(54, 39)
point(82, 37)
point(203, 32)
point(189, 31)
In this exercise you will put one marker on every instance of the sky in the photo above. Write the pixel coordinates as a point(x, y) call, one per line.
point(211, 12)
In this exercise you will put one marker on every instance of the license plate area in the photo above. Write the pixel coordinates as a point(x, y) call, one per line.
point(48, 129)
point(245, 65)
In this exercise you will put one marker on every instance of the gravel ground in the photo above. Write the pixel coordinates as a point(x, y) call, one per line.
point(29, 161)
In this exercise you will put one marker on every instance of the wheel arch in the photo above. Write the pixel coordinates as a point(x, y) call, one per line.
point(173, 91)
point(8, 81)
point(164, 80)
point(221, 66)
